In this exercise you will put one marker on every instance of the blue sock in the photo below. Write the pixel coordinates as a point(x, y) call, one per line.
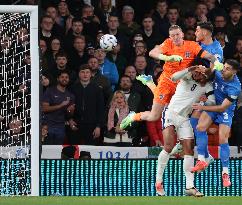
point(224, 154)
point(201, 138)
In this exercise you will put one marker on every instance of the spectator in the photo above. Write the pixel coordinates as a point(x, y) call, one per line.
point(91, 23)
point(46, 30)
point(64, 16)
point(220, 23)
point(107, 68)
point(61, 61)
point(116, 57)
point(88, 117)
point(53, 13)
point(100, 80)
point(57, 102)
point(201, 12)
point(190, 21)
point(46, 81)
point(150, 36)
point(219, 35)
point(140, 64)
point(238, 56)
point(55, 47)
point(78, 56)
point(128, 26)
point(118, 110)
point(113, 24)
point(43, 54)
point(104, 10)
point(189, 34)
point(234, 26)
point(159, 16)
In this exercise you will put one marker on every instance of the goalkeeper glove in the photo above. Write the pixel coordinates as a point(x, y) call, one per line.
point(172, 58)
point(218, 66)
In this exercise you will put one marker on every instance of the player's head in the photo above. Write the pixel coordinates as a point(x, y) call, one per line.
point(176, 35)
point(199, 76)
point(231, 67)
point(203, 31)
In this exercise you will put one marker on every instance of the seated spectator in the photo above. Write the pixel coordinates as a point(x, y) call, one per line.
point(88, 118)
point(57, 102)
point(118, 110)
point(238, 56)
point(100, 80)
point(201, 12)
point(128, 26)
point(107, 68)
point(140, 64)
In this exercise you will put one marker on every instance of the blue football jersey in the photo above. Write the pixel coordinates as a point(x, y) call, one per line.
point(215, 49)
point(226, 89)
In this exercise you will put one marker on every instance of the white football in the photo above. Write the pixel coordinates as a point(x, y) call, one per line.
point(108, 42)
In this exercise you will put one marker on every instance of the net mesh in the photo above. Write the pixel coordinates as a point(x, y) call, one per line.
point(15, 95)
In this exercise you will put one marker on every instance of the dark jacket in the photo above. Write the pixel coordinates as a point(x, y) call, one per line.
point(89, 104)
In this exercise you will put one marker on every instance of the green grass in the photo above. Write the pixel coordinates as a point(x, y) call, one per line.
point(120, 200)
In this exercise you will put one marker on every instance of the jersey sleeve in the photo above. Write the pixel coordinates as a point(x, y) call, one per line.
point(165, 46)
point(234, 92)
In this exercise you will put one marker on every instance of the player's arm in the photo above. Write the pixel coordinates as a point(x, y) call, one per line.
point(214, 108)
point(183, 73)
point(156, 53)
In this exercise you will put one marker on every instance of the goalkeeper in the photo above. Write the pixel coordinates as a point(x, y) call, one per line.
point(178, 54)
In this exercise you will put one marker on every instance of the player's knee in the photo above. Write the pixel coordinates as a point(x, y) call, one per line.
point(201, 128)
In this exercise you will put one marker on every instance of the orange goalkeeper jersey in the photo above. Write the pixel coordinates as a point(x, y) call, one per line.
point(188, 51)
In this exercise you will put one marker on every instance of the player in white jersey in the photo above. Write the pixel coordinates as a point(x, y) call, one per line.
point(193, 84)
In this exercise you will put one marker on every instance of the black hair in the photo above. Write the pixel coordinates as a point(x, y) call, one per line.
point(234, 63)
point(206, 25)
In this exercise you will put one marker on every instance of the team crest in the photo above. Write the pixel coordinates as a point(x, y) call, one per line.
point(187, 54)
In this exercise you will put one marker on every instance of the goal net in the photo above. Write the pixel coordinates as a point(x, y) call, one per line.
point(19, 134)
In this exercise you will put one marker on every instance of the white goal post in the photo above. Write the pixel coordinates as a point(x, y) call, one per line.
point(34, 110)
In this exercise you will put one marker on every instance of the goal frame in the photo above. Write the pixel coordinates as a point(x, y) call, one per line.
point(34, 109)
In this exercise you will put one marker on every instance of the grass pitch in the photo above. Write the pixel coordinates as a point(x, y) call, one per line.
point(120, 200)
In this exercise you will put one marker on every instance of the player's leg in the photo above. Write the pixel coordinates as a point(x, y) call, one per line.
point(194, 122)
point(204, 122)
point(163, 158)
point(224, 132)
point(186, 137)
point(147, 80)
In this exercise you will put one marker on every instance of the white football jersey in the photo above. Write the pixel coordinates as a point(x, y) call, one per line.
point(187, 93)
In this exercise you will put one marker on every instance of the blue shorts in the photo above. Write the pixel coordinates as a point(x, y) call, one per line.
point(221, 118)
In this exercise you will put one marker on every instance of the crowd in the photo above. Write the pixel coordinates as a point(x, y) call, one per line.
point(87, 92)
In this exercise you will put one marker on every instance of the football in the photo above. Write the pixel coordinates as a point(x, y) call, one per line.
point(108, 42)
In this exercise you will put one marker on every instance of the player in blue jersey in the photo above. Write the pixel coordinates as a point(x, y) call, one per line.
point(227, 88)
point(203, 34)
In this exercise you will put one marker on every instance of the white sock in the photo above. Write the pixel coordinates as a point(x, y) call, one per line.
point(188, 163)
point(163, 159)
point(225, 170)
point(201, 157)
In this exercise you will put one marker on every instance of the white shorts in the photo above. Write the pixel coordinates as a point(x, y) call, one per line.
point(182, 125)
